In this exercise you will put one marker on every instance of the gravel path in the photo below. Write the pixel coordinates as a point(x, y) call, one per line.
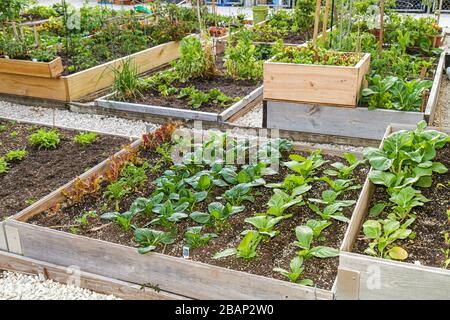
point(442, 117)
point(78, 121)
point(17, 286)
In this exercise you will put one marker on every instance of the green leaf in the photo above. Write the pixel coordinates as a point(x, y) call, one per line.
point(324, 252)
point(200, 217)
point(439, 167)
point(372, 229)
point(225, 253)
point(377, 209)
point(398, 253)
point(383, 178)
point(304, 236)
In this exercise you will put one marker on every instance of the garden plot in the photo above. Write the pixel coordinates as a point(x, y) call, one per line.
point(402, 82)
point(35, 160)
point(400, 228)
point(201, 85)
point(140, 210)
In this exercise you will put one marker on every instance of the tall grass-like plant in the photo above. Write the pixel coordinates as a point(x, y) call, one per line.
point(196, 60)
point(126, 83)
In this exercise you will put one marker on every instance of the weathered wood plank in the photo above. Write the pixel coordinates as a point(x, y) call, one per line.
point(176, 275)
point(100, 284)
point(357, 122)
point(3, 243)
point(434, 92)
point(253, 97)
point(35, 69)
point(387, 279)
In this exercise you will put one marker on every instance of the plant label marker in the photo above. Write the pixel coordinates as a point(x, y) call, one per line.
point(186, 252)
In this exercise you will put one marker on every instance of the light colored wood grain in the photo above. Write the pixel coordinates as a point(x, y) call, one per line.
point(100, 284)
point(334, 85)
point(3, 243)
point(30, 68)
point(21, 85)
point(387, 279)
point(88, 81)
point(430, 109)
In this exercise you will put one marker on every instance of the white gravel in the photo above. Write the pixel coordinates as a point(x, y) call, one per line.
point(17, 286)
point(78, 121)
point(254, 118)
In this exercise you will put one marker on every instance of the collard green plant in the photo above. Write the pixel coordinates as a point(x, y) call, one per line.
point(265, 224)
point(305, 236)
point(246, 248)
point(195, 239)
point(281, 201)
point(296, 270)
point(343, 171)
point(149, 239)
point(217, 214)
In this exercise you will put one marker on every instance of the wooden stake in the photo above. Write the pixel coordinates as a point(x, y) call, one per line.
point(325, 21)
point(316, 22)
point(36, 37)
point(380, 47)
point(199, 19)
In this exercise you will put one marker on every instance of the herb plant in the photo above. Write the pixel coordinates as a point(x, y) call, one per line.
point(45, 139)
point(16, 155)
point(85, 138)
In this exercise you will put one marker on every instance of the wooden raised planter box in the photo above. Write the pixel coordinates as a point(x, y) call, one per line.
point(358, 122)
point(31, 68)
point(170, 274)
point(83, 83)
point(236, 110)
point(321, 84)
point(364, 277)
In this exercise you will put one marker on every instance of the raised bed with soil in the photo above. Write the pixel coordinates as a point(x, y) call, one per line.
point(41, 171)
point(45, 231)
point(421, 274)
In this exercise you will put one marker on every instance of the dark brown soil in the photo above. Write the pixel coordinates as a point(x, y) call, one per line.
point(296, 38)
point(277, 252)
point(230, 87)
point(431, 221)
point(43, 171)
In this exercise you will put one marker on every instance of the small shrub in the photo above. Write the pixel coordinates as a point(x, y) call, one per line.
point(44, 139)
point(85, 138)
point(16, 155)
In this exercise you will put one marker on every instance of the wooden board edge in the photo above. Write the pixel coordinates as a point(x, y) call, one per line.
point(96, 283)
point(3, 242)
point(227, 114)
point(433, 98)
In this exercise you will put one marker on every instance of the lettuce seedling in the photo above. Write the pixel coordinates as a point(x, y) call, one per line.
point(239, 194)
point(116, 191)
point(43, 139)
point(332, 211)
point(16, 155)
point(344, 171)
point(4, 167)
point(296, 271)
point(383, 233)
point(122, 219)
point(85, 138)
point(305, 236)
point(149, 239)
point(217, 214)
point(194, 238)
point(265, 224)
point(135, 176)
point(246, 249)
point(281, 201)
point(404, 201)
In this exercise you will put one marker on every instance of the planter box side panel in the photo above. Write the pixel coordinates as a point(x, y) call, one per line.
point(328, 120)
point(312, 84)
point(3, 243)
point(30, 68)
point(433, 98)
point(95, 79)
point(45, 88)
point(384, 279)
point(196, 280)
point(362, 71)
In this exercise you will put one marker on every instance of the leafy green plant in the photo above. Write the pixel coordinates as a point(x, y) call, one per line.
point(85, 138)
point(149, 239)
point(281, 201)
point(240, 61)
point(16, 155)
point(296, 270)
point(146, 205)
point(122, 219)
point(45, 139)
point(192, 198)
point(126, 81)
point(305, 166)
point(116, 191)
point(84, 219)
point(265, 223)
point(239, 194)
point(168, 214)
point(446, 251)
point(246, 248)
point(317, 226)
point(4, 167)
point(340, 185)
point(383, 233)
point(135, 176)
point(217, 214)
point(342, 171)
point(305, 236)
point(195, 239)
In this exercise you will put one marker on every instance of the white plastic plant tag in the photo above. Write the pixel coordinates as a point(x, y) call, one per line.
point(186, 252)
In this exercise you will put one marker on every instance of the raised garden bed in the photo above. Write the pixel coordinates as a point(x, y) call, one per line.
point(42, 170)
point(421, 243)
point(101, 246)
point(334, 79)
point(214, 95)
point(358, 122)
point(50, 69)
